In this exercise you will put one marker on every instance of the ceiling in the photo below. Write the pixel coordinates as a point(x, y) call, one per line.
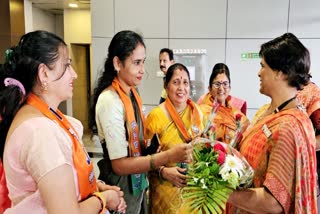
point(57, 6)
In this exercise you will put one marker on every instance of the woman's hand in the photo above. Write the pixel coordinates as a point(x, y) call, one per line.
point(180, 153)
point(103, 187)
point(115, 200)
point(175, 176)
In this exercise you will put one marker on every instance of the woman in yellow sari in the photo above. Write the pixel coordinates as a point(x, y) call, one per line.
point(225, 119)
point(176, 121)
point(280, 145)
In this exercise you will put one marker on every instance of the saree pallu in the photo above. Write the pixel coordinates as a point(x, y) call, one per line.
point(238, 103)
point(281, 149)
point(225, 119)
point(165, 198)
point(310, 97)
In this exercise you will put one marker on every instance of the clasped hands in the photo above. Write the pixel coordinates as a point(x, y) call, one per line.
point(114, 197)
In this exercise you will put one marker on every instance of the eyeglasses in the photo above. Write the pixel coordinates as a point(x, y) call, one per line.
point(224, 84)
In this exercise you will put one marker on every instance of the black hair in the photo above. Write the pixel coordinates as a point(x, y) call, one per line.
point(219, 68)
point(287, 54)
point(171, 71)
point(167, 50)
point(122, 46)
point(21, 63)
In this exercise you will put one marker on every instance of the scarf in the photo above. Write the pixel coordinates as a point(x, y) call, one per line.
point(136, 145)
point(81, 160)
point(195, 120)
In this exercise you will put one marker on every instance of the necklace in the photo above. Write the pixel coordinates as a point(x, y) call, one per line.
point(280, 107)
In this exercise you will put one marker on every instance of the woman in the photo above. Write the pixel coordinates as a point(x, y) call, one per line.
point(47, 168)
point(120, 122)
point(232, 101)
point(176, 121)
point(280, 146)
point(225, 120)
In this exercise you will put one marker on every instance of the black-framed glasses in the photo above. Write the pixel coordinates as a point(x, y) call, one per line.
point(225, 84)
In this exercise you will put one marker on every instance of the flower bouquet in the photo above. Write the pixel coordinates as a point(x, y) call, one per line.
point(215, 172)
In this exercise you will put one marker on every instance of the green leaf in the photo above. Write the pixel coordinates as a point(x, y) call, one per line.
point(214, 208)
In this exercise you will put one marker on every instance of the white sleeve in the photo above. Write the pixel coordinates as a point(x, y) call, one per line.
point(110, 118)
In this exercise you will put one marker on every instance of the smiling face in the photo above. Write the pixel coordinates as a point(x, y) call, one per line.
point(178, 88)
point(220, 88)
point(59, 77)
point(132, 69)
point(267, 77)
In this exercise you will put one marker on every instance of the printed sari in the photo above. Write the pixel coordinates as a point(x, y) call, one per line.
point(225, 119)
point(281, 149)
point(310, 97)
point(164, 197)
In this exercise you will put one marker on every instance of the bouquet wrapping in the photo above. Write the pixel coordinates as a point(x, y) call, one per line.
point(215, 172)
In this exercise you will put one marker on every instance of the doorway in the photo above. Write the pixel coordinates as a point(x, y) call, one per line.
point(81, 86)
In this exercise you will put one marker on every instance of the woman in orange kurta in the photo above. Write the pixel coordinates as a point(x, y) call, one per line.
point(224, 120)
point(280, 145)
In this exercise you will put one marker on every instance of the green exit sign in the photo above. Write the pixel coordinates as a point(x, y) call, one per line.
point(249, 55)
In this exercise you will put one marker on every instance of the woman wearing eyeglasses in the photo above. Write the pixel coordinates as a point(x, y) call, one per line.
point(224, 120)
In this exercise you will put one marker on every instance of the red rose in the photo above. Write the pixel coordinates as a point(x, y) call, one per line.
point(238, 117)
point(212, 128)
point(221, 157)
point(218, 147)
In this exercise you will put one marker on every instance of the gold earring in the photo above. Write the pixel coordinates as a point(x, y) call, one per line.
point(44, 87)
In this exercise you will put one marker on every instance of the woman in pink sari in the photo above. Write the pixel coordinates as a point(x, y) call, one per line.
point(280, 146)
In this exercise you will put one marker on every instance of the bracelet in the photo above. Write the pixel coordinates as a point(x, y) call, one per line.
point(102, 200)
point(160, 170)
point(152, 165)
point(160, 176)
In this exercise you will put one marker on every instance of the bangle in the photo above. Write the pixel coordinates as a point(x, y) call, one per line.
point(152, 165)
point(160, 170)
point(160, 176)
point(102, 200)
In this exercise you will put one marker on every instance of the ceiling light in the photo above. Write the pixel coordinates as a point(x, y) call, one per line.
point(72, 5)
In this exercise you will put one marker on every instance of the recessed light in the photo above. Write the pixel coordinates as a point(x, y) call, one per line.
point(72, 5)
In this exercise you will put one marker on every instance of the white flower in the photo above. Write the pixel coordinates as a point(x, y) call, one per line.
point(195, 179)
point(231, 164)
point(204, 186)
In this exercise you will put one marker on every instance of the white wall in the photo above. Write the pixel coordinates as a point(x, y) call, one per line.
point(28, 15)
point(226, 28)
point(38, 19)
point(43, 20)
